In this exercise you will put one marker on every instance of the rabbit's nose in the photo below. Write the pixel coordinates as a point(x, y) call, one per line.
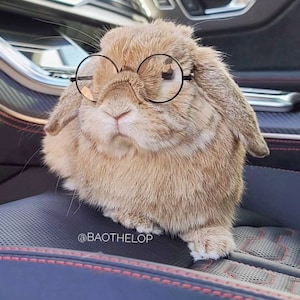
point(115, 115)
point(121, 115)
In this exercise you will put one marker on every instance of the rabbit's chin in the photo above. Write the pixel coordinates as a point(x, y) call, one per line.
point(118, 146)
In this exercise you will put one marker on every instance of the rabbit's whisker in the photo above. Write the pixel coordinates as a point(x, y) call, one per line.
point(71, 204)
point(57, 184)
point(68, 27)
point(30, 159)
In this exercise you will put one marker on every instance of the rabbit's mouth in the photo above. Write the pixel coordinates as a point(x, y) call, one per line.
point(120, 146)
point(120, 136)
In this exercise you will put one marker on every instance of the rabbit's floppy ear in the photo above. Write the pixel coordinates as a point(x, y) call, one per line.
point(65, 111)
point(224, 95)
point(67, 108)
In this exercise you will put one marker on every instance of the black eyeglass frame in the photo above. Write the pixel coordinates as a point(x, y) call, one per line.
point(184, 77)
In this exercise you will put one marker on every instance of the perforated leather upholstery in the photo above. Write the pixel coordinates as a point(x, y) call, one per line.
point(56, 220)
point(266, 256)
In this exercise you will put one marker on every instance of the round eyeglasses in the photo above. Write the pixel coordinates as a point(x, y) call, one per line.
point(162, 75)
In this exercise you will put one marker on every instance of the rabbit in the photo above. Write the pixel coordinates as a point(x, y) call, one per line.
point(174, 167)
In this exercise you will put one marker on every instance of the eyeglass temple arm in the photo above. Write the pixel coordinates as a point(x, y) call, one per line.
point(73, 78)
point(188, 77)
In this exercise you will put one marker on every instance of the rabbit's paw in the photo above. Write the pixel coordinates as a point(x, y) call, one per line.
point(133, 220)
point(209, 242)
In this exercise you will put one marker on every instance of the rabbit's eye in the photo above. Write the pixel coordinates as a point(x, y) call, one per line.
point(169, 75)
point(162, 76)
point(168, 70)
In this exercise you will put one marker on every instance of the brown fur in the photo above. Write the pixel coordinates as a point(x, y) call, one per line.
point(175, 166)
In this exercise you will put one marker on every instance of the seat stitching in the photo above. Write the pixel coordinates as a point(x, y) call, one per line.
point(293, 285)
point(251, 239)
point(7, 116)
point(278, 169)
point(286, 249)
point(138, 264)
point(284, 149)
point(136, 275)
point(271, 273)
point(261, 283)
point(283, 141)
point(268, 79)
point(206, 266)
point(21, 128)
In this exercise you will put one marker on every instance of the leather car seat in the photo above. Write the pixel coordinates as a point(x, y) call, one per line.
point(42, 250)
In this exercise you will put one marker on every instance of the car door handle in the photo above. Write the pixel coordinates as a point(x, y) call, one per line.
point(232, 6)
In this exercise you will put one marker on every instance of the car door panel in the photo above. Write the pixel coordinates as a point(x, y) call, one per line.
point(259, 42)
point(266, 56)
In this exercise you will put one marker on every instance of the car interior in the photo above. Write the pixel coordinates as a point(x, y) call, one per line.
point(45, 252)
